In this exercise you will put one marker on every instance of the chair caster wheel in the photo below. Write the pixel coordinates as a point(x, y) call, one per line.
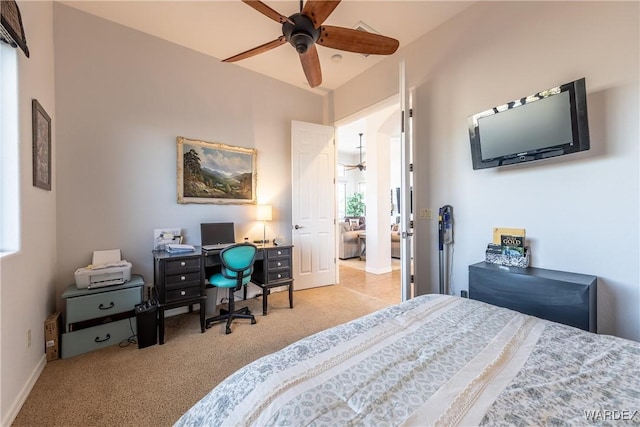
point(253, 321)
point(228, 331)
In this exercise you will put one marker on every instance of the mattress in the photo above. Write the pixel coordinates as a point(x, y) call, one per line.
point(434, 360)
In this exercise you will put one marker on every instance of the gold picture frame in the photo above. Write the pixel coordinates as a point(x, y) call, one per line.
point(41, 150)
point(210, 172)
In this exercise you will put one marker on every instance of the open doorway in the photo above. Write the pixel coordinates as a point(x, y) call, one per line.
point(368, 182)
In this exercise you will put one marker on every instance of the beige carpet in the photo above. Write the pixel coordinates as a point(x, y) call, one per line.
point(155, 385)
point(361, 265)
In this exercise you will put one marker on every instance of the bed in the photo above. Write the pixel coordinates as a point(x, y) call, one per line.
point(434, 360)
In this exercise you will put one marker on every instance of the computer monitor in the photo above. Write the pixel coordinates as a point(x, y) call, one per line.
point(215, 233)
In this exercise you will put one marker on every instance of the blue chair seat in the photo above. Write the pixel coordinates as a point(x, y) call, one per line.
point(220, 281)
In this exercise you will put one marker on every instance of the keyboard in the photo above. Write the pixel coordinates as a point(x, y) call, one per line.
point(217, 246)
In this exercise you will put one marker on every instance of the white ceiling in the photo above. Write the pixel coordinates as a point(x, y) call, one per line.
point(223, 28)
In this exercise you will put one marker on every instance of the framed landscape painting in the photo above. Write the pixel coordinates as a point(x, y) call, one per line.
point(210, 172)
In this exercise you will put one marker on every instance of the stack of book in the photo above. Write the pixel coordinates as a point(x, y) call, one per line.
point(508, 248)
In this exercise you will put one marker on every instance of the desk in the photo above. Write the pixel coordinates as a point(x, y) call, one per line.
point(179, 278)
point(272, 269)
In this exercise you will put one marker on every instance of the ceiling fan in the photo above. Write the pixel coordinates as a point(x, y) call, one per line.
point(304, 30)
point(361, 165)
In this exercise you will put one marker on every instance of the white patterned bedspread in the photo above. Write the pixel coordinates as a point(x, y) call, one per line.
point(435, 360)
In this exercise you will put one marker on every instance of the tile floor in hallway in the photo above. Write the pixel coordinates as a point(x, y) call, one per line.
point(382, 286)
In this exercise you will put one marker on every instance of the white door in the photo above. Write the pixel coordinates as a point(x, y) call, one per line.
point(313, 209)
point(406, 231)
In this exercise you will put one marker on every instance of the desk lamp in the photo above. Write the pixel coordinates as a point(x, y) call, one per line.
point(264, 214)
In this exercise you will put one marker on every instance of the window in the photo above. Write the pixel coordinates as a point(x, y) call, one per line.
point(9, 179)
point(342, 199)
point(362, 188)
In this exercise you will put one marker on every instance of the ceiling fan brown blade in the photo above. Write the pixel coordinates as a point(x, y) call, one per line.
point(356, 41)
point(257, 50)
point(311, 66)
point(361, 166)
point(319, 10)
point(267, 11)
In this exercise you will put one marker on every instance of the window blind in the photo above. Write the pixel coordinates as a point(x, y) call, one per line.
point(11, 29)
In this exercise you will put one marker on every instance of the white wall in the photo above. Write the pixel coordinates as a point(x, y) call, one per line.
point(27, 281)
point(122, 98)
point(581, 211)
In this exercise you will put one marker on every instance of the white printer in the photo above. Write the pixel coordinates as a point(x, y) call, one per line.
point(106, 269)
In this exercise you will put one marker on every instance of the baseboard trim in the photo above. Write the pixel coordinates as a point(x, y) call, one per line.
point(24, 393)
point(378, 270)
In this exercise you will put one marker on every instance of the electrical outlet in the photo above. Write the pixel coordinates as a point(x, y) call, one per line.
point(148, 290)
point(426, 213)
point(29, 338)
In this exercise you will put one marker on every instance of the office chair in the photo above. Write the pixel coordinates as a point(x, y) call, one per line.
point(237, 265)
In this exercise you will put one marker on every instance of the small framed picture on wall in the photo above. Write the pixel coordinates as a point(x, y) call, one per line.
point(41, 126)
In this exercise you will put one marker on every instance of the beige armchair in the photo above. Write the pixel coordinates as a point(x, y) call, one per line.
point(348, 246)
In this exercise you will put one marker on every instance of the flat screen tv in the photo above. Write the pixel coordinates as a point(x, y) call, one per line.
point(550, 123)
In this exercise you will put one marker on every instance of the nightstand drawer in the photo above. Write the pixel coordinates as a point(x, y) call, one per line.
point(102, 304)
point(183, 265)
point(84, 340)
point(181, 279)
point(273, 253)
point(173, 295)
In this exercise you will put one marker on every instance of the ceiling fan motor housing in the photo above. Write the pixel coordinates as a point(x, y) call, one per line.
point(303, 34)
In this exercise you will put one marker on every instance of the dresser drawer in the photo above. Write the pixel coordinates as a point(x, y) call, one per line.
point(182, 265)
point(102, 304)
point(273, 276)
point(274, 253)
point(182, 279)
point(173, 295)
point(84, 340)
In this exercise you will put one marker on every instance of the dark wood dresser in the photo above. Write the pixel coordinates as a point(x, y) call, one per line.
point(568, 298)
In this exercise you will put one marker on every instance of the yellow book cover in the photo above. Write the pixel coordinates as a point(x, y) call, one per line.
point(499, 231)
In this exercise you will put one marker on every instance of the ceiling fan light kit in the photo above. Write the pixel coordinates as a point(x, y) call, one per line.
point(301, 34)
point(304, 30)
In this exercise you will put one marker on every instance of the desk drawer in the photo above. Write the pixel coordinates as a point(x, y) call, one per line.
point(183, 265)
point(103, 304)
point(282, 263)
point(174, 295)
point(85, 340)
point(274, 276)
point(182, 279)
point(273, 253)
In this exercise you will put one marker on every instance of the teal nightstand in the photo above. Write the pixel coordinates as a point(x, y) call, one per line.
point(97, 318)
